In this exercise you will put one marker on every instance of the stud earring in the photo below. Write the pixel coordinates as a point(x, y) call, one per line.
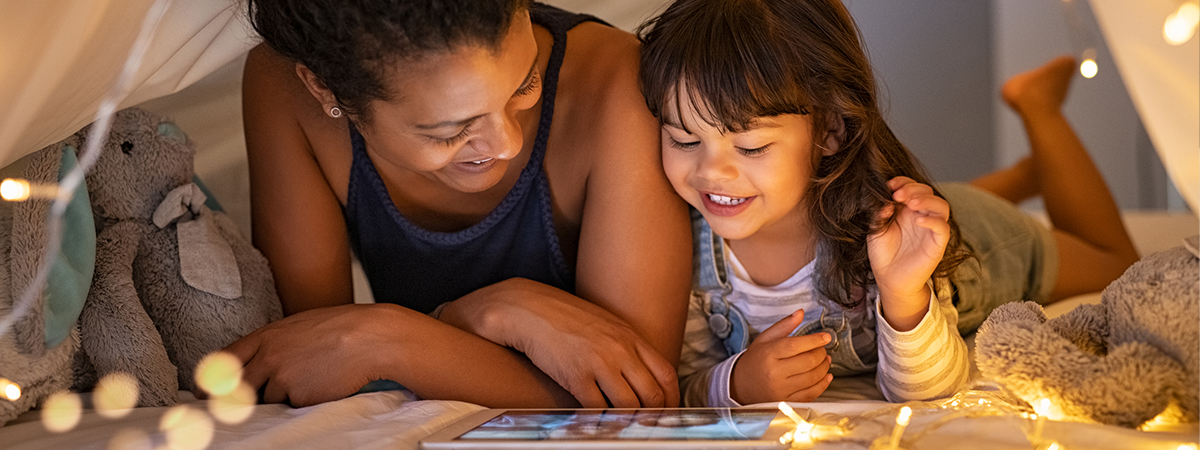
point(335, 112)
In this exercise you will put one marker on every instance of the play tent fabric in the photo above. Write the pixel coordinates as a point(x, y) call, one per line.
point(60, 58)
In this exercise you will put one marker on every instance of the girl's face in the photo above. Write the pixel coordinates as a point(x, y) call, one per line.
point(742, 183)
point(454, 115)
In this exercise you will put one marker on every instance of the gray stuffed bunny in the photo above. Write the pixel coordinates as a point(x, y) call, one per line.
point(36, 351)
point(1123, 362)
point(174, 280)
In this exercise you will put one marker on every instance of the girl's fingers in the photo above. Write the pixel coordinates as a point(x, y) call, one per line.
point(810, 393)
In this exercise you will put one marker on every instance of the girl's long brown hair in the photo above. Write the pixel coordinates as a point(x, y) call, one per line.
point(742, 59)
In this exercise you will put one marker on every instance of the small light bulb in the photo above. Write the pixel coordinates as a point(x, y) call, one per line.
point(1089, 68)
point(905, 414)
point(14, 190)
point(1180, 26)
point(11, 390)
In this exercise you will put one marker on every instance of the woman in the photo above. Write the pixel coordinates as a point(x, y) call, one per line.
point(501, 186)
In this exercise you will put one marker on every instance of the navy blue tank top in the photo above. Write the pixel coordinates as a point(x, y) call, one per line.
point(422, 269)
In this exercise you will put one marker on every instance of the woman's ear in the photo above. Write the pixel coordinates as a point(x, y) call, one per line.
point(835, 134)
point(316, 87)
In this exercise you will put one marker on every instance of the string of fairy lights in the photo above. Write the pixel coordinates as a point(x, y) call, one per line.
point(231, 399)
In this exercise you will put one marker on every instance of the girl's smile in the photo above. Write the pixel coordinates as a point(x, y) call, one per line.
point(725, 206)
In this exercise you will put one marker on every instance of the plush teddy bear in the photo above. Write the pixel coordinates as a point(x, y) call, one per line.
point(173, 278)
point(1124, 361)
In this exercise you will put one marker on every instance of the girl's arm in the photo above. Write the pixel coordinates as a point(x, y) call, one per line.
point(921, 354)
point(324, 351)
point(927, 362)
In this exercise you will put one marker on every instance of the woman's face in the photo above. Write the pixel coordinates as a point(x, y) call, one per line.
point(744, 182)
point(453, 116)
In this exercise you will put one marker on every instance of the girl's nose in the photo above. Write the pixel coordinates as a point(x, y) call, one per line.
point(715, 165)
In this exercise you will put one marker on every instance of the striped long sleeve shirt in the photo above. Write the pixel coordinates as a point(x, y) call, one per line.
point(927, 362)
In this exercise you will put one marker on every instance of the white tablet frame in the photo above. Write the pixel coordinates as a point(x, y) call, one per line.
point(445, 439)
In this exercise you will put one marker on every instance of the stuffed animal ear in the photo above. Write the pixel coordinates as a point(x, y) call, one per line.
point(59, 303)
point(172, 131)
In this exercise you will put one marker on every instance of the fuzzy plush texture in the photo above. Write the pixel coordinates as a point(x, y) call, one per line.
point(1122, 362)
point(142, 317)
point(26, 357)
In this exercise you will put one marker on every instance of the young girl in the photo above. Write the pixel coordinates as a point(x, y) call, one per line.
point(492, 165)
point(821, 248)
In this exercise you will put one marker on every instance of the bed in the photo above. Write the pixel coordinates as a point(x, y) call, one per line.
point(193, 75)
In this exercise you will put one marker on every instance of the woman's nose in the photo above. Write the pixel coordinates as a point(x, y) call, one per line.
point(503, 140)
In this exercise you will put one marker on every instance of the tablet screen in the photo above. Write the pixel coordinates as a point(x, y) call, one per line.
point(641, 424)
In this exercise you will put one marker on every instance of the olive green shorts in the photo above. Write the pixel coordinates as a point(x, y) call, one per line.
point(1016, 258)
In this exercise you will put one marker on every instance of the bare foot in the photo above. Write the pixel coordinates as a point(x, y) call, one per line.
point(1041, 89)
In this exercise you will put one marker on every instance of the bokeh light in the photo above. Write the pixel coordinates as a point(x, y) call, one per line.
point(1181, 25)
point(61, 411)
point(130, 439)
point(115, 395)
point(235, 407)
point(11, 390)
point(186, 428)
point(14, 190)
point(1089, 68)
point(219, 373)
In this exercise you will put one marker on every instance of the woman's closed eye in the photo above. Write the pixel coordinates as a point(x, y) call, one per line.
point(530, 85)
point(452, 140)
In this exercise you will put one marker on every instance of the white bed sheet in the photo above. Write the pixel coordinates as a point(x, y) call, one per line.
point(394, 420)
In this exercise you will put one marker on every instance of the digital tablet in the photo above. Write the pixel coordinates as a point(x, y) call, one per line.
point(588, 429)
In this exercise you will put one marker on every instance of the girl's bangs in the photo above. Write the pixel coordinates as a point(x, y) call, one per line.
point(729, 78)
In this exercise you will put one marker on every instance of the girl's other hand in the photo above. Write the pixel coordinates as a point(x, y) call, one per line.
point(587, 350)
point(905, 253)
point(777, 367)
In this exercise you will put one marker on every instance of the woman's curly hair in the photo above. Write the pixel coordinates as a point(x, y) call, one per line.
point(353, 45)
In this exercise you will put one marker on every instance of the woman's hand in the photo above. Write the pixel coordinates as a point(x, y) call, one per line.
point(777, 367)
point(315, 356)
point(904, 255)
point(585, 349)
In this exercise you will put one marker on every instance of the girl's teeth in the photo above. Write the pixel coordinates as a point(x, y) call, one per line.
point(727, 201)
point(481, 161)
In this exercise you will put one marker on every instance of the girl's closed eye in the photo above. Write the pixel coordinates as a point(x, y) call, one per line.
point(683, 145)
point(752, 152)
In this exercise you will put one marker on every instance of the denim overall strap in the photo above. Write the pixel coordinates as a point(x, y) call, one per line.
point(836, 321)
point(710, 281)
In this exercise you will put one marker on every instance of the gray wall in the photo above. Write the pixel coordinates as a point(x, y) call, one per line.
point(932, 59)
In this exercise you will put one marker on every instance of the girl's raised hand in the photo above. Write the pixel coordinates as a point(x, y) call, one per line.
point(777, 367)
point(905, 253)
